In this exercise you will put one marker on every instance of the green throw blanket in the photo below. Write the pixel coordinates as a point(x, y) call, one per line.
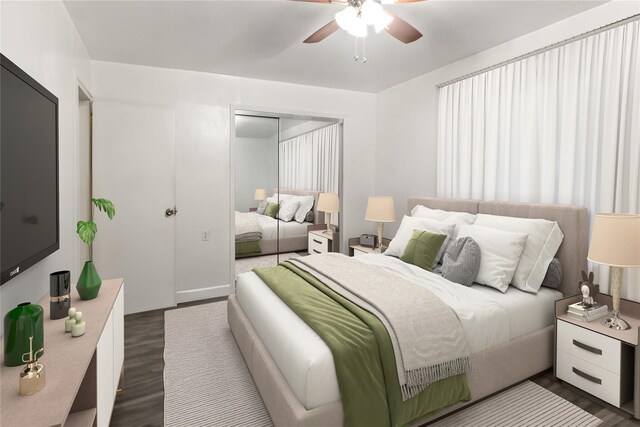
point(362, 353)
point(248, 248)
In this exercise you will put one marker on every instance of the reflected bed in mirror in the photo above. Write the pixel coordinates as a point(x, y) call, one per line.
point(256, 233)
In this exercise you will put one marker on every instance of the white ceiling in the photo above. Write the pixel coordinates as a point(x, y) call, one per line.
point(263, 39)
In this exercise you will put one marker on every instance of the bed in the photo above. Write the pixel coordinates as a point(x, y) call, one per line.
point(293, 235)
point(295, 374)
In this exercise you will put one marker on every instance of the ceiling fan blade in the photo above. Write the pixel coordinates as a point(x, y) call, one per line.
point(402, 30)
point(323, 32)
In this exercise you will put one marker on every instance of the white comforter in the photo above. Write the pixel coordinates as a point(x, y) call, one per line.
point(270, 226)
point(305, 360)
point(484, 320)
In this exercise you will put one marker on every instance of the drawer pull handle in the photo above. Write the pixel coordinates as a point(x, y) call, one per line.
point(316, 251)
point(587, 347)
point(317, 241)
point(587, 377)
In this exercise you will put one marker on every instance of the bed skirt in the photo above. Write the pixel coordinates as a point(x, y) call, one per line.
point(287, 244)
point(492, 370)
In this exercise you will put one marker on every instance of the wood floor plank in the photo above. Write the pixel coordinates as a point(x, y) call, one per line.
point(142, 403)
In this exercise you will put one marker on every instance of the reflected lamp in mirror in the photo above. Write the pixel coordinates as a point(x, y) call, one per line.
point(329, 203)
point(380, 210)
point(615, 241)
point(260, 194)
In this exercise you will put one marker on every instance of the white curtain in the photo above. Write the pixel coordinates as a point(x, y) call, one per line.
point(311, 161)
point(562, 127)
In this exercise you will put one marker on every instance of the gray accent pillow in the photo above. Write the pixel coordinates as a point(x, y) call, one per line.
point(262, 207)
point(309, 217)
point(461, 261)
point(553, 278)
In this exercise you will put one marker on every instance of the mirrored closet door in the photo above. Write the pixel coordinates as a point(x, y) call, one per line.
point(287, 188)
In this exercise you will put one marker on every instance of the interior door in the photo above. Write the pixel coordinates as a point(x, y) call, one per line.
point(134, 166)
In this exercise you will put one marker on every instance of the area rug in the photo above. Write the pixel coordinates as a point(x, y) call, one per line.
point(207, 383)
point(244, 265)
point(527, 404)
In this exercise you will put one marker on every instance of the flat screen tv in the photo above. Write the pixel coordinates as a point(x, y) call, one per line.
point(29, 218)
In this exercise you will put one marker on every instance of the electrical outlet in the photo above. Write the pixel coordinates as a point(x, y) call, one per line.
point(205, 235)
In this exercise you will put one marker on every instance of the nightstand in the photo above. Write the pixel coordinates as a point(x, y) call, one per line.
point(602, 362)
point(356, 250)
point(319, 241)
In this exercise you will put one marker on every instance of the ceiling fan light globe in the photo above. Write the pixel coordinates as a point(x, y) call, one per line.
point(358, 28)
point(346, 18)
point(371, 11)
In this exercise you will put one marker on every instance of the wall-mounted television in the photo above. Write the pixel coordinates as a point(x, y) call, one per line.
point(29, 215)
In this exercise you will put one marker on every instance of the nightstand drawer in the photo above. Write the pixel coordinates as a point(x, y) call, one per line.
point(317, 244)
point(590, 346)
point(589, 377)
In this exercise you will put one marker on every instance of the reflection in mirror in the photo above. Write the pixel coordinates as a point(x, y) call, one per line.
point(256, 146)
point(309, 158)
point(287, 181)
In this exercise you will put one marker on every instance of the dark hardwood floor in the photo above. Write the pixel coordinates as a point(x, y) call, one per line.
point(142, 403)
point(142, 400)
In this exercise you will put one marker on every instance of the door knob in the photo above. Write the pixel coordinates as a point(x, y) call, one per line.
point(170, 212)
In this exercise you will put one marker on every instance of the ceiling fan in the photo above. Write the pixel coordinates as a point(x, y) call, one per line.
point(359, 14)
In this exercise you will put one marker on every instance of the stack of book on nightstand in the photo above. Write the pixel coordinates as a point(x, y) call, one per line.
point(586, 313)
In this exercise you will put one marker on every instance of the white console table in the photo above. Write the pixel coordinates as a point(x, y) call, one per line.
point(82, 374)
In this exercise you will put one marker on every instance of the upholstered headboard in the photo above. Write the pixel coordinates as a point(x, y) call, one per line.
point(572, 220)
point(318, 217)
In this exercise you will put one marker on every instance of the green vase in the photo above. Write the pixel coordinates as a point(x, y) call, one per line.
point(24, 321)
point(89, 282)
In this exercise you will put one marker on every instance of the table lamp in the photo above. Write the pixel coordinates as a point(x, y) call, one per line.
point(329, 203)
point(260, 194)
point(380, 210)
point(615, 241)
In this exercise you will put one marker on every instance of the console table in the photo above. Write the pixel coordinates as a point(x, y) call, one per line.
point(81, 374)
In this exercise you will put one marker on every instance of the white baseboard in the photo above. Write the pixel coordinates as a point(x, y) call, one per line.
point(203, 293)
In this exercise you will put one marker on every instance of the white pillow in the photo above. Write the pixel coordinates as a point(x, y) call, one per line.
point(457, 218)
point(408, 224)
point(542, 244)
point(499, 254)
point(288, 208)
point(306, 203)
point(274, 198)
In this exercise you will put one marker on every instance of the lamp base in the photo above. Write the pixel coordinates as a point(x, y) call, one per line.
point(615, 322)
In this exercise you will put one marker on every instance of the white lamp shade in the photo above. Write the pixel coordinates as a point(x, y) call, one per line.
point(329, 202)
point(260, 194)
point(380, 209)
point(615, 240)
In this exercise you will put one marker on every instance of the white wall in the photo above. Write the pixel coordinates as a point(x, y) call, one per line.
point(407, 114)
point(40, 38)
point(256, 167)
point(202, 109)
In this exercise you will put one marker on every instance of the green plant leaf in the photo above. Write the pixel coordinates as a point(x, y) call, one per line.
point(106, 206)
point(87, 231)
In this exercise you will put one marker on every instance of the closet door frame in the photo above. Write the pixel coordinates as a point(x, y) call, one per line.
point(279, 114)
